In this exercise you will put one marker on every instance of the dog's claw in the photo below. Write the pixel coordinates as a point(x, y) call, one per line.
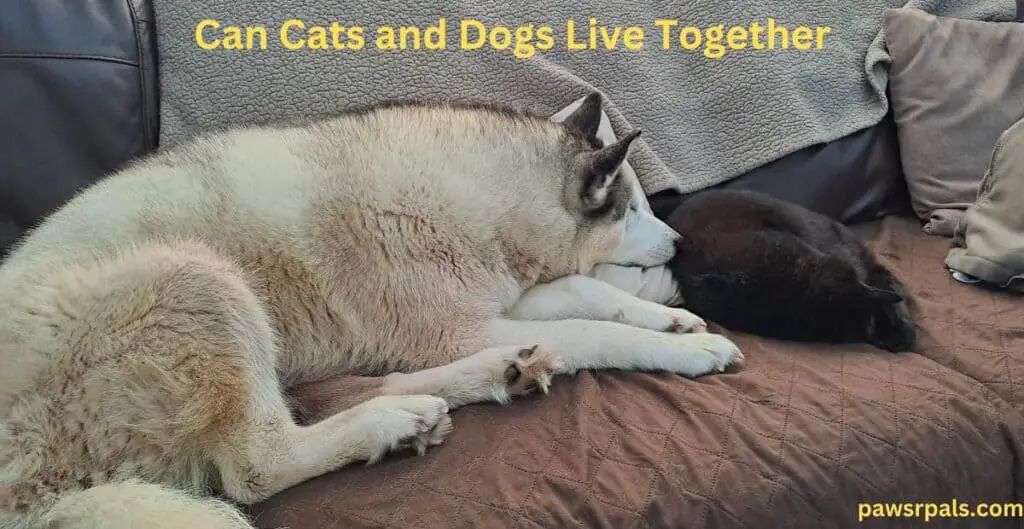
point(544, 383)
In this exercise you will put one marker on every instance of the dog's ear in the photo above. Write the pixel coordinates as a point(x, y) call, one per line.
point(881, 295)
point(603, 169)
point(587, 118)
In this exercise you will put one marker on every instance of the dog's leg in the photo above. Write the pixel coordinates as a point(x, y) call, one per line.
point(512, 367)
point(655, 284)
point(271, 452)
point(588, 344)
point(582, 297)
point(491, 375)
point(172, 346)
point(279, 454)
point(260, 449)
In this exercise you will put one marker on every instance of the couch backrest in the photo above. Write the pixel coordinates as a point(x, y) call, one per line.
point(78, 99)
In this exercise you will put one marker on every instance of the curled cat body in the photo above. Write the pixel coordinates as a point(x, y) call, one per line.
point(757, 264)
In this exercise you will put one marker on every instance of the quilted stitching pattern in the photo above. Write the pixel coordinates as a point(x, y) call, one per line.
point(795, 439)
point(975, 331)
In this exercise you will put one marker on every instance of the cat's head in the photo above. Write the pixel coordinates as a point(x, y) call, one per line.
point(865, 312)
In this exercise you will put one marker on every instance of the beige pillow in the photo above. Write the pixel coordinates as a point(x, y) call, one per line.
point(989, 241)
point(955, 85)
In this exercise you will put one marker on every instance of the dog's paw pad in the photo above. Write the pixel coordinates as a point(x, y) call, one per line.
point(532, 369)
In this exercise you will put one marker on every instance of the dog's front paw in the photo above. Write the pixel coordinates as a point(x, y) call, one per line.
point(725, 351)
point(697, 354)
point(530, 369)
point(394, 422)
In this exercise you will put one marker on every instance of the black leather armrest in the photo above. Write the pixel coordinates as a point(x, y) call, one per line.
point(78, 99)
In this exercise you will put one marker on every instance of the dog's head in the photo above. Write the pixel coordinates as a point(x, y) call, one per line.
point(611, 226)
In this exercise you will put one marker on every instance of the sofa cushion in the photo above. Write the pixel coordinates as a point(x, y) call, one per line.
point(956, 85)
point(797, 438)
point(989, 240)
point(77, 100)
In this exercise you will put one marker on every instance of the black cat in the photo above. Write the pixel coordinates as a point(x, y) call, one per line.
point(756, 264)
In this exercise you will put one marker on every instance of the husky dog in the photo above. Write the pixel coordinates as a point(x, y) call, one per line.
point(757, 264)
point(150, 327)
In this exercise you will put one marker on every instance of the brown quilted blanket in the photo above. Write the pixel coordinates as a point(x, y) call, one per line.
point(797, 438)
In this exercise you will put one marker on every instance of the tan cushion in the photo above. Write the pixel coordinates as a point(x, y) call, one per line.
point(989, 241)
point(955, 86)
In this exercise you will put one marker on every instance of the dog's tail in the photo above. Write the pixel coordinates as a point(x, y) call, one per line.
point(130, 505)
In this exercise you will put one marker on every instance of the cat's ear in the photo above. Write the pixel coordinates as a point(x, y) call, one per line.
point(882, 295)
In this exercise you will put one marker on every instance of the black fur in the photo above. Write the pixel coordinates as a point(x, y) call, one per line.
point(756, 264)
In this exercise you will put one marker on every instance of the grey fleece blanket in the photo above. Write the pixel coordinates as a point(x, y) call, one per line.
point(705, 120)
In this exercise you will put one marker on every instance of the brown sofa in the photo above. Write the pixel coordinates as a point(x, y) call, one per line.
point(798, 437)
